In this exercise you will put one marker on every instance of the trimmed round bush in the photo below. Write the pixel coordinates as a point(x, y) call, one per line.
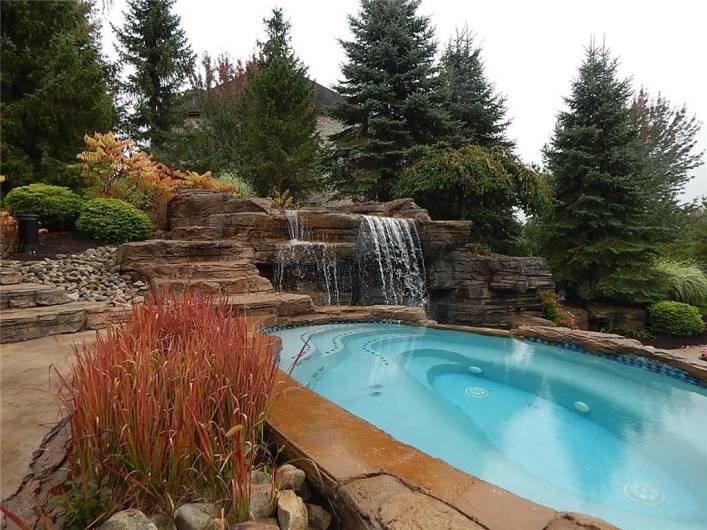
point(113, 221)
point(57, 207)
point(675, 318)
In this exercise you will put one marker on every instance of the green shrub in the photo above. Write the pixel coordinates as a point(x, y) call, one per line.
point(675, 318)
point(56, 206)
point(484, 185)
point(113, 221)
point(241, 187)
point(683, 281)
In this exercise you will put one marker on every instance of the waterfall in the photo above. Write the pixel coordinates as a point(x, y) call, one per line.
point(391, 264)
point(294, 227)
point(388, 268)
point(301, 262)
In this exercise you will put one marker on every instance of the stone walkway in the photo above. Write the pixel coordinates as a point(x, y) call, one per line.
point(28, 407)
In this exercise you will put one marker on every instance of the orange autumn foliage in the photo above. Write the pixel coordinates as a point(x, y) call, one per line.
point(116, 168)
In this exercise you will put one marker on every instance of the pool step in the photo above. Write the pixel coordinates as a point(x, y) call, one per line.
point(41, 321)
point(275, 303)
point(23, 295)
point(201, 269)
point(226, 286)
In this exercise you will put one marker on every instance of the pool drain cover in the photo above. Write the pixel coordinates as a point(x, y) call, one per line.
point(643, 493)
point(476, 392)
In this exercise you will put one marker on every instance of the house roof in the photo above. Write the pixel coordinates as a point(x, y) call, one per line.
point(324, 98)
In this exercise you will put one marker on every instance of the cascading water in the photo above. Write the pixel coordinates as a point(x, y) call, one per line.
point(302, 262)
point(388, 267)
point(390, 262)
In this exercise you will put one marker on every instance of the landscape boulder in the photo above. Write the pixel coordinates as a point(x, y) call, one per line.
point(318, 517)
point(288, 477)
point(128, 520)
point(291, 511)
point(195, 516)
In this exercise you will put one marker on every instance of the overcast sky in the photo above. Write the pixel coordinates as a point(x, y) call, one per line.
point(532, 49)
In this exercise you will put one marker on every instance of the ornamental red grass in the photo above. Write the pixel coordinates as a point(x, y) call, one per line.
point(170, 406)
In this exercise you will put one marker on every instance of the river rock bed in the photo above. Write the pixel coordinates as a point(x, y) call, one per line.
point(92, 275)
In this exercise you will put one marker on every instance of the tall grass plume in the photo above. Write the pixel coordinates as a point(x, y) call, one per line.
point(170, 406)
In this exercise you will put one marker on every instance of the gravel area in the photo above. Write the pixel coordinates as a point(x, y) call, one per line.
point(92, 275)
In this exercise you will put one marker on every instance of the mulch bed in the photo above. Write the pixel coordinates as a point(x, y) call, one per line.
point(53, 243)
point(666, 342)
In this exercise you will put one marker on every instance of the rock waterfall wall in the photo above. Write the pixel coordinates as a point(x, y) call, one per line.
point(464, 287)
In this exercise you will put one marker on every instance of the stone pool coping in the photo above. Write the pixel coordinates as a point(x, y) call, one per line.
point(621, 348)
point(379, 482)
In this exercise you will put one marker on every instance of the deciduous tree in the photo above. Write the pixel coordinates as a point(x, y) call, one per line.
point(667, 152)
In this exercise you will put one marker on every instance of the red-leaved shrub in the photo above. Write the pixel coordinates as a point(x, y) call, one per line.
point(170, 406)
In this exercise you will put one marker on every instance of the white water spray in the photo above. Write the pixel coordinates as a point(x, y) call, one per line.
point(390, 259)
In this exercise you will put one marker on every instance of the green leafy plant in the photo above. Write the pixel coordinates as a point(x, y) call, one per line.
point(675, 318)
point(82, 504)
point(113, 221)
point(555, 311)
point(241, 187)
point(684, 281)
point(639, 333)
point(283, 200)
point(56, 206)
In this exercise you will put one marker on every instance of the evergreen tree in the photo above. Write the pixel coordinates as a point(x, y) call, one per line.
point(392, 96)
point(278, 141)
point(154, 48)
point(598, 244)
point(54, 89)
point(470, 97)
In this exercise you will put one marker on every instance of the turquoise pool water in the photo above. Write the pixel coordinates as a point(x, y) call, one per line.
point(572, 431)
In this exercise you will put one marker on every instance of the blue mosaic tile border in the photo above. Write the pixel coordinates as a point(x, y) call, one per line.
point(638, 361)
point(272, 329)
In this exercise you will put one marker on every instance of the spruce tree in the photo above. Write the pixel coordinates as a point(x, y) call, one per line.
point(470, 97)
point(598, 244)
point(154, 49)
point(278, 141)
point(54, 89)
point(392, 97)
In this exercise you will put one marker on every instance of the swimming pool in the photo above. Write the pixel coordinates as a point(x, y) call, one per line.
point(572, 431)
